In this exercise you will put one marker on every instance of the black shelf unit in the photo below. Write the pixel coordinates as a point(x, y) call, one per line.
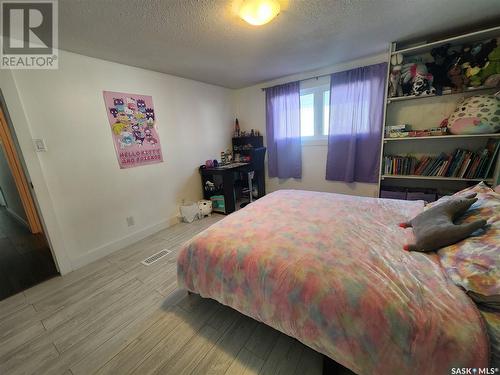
point(243, 145)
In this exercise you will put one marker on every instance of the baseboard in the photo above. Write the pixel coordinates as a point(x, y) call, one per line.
point(111, 247)
point(17, 217)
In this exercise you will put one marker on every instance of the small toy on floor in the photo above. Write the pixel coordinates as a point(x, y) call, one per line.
point(205, 207)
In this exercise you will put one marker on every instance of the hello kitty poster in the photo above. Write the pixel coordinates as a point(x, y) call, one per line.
point(132, 120)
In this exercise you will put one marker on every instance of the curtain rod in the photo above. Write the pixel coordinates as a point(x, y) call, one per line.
point(313, 77)
point(300, 80)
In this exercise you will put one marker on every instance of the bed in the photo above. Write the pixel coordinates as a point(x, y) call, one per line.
point(329, 270)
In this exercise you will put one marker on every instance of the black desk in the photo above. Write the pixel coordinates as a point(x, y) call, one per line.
point(228, 177)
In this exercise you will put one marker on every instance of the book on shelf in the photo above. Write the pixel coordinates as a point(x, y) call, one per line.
point(459, 164)
point(395, 129)
point(493, 148)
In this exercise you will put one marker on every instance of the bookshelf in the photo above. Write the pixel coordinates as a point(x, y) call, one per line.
point(425, 112)
point(475, 90)
point(437, 178)
point(442, 137)
point(427, 46)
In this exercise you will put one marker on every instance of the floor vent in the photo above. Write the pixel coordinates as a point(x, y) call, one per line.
point(155, 257)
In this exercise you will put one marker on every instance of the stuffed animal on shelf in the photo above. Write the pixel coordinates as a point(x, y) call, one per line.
point(395, 88)
point(439, 68)
point(479, 114)
point(492, 68)
point(466, 56)
point(481, 56)
point(456, 78)
point(408, 74)
point(435, 228)
point(423, 85)
point(472, 76)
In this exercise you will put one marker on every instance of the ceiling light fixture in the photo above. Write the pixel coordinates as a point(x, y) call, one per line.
point(259, 12)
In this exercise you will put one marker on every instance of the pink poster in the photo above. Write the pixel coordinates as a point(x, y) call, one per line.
point(133, 126)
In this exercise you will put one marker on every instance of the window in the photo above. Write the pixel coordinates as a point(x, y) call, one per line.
point(306, 115)
point(315, 107)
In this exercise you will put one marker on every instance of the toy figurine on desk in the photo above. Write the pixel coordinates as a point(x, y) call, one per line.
point(226, 157)
point(236, 128)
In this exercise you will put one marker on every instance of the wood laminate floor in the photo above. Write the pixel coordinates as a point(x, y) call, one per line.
point(117, 316)
point(25, 258)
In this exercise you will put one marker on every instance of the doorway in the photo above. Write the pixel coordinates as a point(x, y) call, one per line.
point(25, 256)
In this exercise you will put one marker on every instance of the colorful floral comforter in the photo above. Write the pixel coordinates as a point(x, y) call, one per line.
point(329, 270)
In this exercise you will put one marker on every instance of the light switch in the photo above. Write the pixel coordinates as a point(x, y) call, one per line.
point(40, 145)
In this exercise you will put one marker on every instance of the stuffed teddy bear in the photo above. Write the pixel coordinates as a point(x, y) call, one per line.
point(435, 228)
point(456, 78)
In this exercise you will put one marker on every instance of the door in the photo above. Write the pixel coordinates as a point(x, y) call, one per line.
point(20, 180)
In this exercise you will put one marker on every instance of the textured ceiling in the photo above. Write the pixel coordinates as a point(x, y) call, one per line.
point(206, 41)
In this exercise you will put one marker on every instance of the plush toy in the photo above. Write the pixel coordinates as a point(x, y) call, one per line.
point(492, 81)
point(481, 56)
point(435, 228)
point(466, 56)
point(472, 76)
point(453, 56)
point(456, 78)
point(423, 85)
point(395, 88)
point(408, 74)
point(439, 68)
point(492, 67)
point(479, 114)
point(205, 207)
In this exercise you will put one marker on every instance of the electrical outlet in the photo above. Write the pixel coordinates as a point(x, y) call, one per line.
point(130, 221)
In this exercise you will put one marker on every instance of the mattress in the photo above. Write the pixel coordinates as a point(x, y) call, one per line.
point(329, 270)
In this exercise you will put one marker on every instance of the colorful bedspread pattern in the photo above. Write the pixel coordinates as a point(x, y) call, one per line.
point(329, 270)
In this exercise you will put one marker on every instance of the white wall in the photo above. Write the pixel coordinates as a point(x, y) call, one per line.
point(9, 189)
point(84, 195)
point(250, 109)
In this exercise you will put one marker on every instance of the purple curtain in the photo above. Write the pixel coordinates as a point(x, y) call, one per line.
point(283, 131)
point(356, 113)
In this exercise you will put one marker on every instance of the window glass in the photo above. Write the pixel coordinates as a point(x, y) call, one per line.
point(326, 111)
point(315, 107)
point(307, 115)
